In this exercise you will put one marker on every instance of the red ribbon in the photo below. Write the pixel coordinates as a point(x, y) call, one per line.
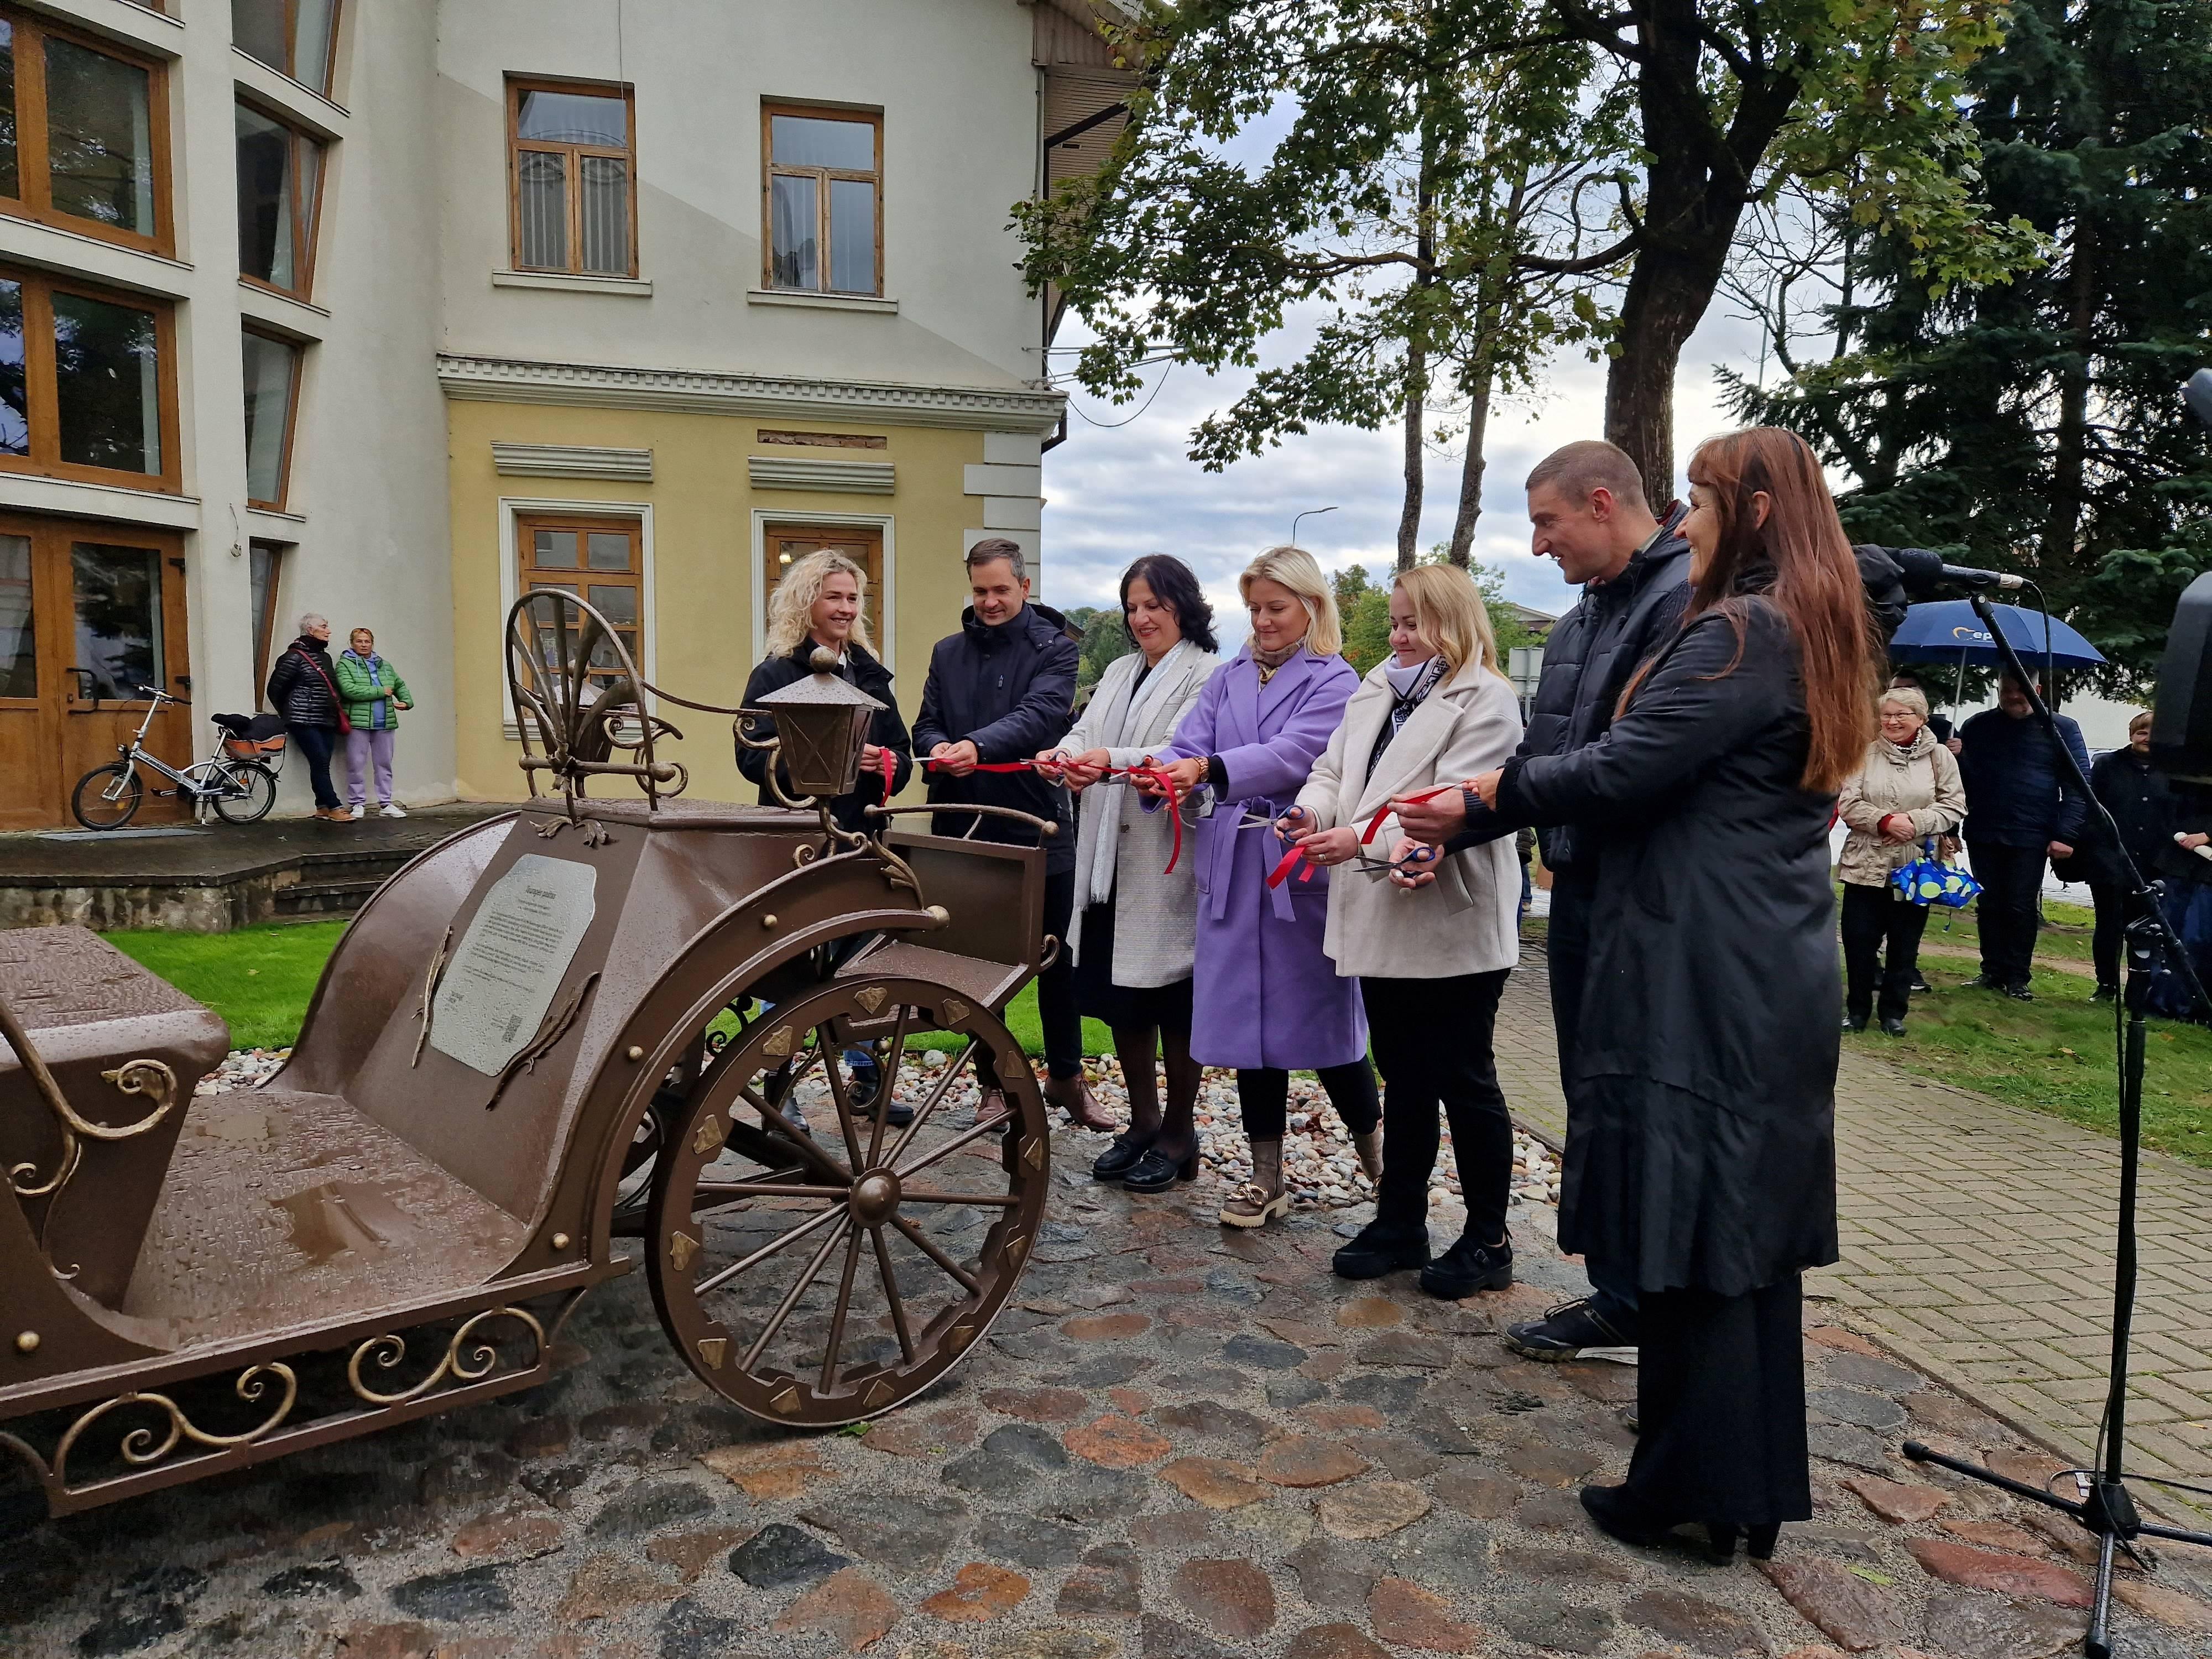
point(890, 770)
point(1158, 777)
point(1376, 823)
point(1290, 861)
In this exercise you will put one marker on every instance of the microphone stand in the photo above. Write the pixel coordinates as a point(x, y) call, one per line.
point(2104, 1508)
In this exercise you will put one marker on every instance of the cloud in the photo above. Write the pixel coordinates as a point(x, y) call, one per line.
point(1116, 491)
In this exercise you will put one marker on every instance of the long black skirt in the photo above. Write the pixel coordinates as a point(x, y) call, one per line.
point(1122, 1006)
point(1720, 1406)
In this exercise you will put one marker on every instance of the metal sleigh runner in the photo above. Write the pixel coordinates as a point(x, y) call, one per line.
point(580, 1024)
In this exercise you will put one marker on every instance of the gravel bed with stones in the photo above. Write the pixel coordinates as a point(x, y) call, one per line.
point(1178, 1443)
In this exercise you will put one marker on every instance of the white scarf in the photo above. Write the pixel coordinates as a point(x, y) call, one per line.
point(1122, 714)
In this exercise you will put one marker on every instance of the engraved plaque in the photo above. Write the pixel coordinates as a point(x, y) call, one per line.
point(510, 963)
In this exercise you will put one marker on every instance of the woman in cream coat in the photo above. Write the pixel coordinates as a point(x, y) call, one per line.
point(1135, 922)
point(1431, 962)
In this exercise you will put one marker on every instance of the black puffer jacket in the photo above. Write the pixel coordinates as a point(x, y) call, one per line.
point(2141, 802)
point(1702, 1090)
point(1010, 691)
point(303, 685)
point(886, 730)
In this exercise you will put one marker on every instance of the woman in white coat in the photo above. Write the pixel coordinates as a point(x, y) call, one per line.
point(1135, 923)
point(1431, 962)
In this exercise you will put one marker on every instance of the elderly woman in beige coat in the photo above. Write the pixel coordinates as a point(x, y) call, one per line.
point(1431, 962)
point(1136, 922)
point(1906, 791)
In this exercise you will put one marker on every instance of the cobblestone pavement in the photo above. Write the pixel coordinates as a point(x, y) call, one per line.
point(1977, 1244)
point(1180, 1443)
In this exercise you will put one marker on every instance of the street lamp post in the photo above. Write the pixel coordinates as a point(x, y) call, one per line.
point(1310, 513)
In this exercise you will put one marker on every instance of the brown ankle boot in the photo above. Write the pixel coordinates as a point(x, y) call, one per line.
point(1073, 1095)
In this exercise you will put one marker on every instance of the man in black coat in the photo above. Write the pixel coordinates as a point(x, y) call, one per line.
point(1003, 689)
point(1587, 504)
point(2023, 807)
point(303, 687)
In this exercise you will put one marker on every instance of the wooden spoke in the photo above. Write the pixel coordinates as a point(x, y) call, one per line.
point(1003, 1200)
point(836, 1072)
point(922, 1113)
point(887, 1091)
point(777, 1124)
point(891, 1295)
point(923, 1242)
point(722, 1276)
point(835, 1343)
point(750, 1184)
point(989, 1126)
point(797, 1289)
point(736, 1189)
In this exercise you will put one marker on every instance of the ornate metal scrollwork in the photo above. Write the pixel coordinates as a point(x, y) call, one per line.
point(150, 1078)
point(578, 695)
point(387, 1351)
point(146, 1445)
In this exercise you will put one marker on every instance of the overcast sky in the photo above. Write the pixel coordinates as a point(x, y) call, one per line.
point(1114, 492)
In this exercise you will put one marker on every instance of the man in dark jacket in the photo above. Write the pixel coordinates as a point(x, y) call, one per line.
point(303, 687)
point(2023, 807)
point(2141, 803)
point(1003, 689)
point(1587, 504)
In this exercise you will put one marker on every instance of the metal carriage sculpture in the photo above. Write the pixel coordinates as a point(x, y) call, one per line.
point(579, 1024)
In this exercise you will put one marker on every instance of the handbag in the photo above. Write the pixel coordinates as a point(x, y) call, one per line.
point(1929, 879)
point(345, 721)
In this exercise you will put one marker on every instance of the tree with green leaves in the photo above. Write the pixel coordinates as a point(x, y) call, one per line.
point(1365, 607)
point(1657, 122)
point(1105, 637)
point(2035, 427)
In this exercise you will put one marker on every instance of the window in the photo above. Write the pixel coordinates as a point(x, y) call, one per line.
point(600, 561)
point(823, 205)
point(298, 37)
point(279, 171)
point(571, 156)
point(265, 562)
point(83, 135)
point(272, 384)
point(785, 543)
point(19, 644)
point(85, 385)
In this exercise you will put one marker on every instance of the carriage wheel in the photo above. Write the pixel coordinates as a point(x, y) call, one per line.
point(824, 1274)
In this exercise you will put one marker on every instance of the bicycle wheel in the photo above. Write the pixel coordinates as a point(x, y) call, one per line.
point(256, 792)
point(107, 797)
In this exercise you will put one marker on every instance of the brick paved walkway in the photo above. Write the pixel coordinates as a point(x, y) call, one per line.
point(1977, 1244)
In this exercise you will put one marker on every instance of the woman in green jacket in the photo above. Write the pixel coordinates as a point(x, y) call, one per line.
point(374, 694)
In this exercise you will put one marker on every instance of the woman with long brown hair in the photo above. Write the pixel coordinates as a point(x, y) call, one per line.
point(1703, 1085)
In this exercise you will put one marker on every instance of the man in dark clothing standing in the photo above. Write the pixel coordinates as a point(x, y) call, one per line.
point(1001, 689)
point(1587, 504)
point(2023, 808)
point(303, 687)
point(2141, 803)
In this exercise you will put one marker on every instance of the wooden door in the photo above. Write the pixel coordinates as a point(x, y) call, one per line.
point(863, 544)
point(89, 614)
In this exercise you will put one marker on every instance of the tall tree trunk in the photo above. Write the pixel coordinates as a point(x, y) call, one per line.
point(2069, 456)
point(1476, 380)
point(1409, 518)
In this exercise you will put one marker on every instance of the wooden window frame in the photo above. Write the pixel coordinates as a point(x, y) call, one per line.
point(33, 164)
point(581, 578)
point(291, 417)
point(288, 69)
point(871, 607)
point(304, 242)
point(517, 146)
point(42, 394)
point(822, 176)
point(265, 642)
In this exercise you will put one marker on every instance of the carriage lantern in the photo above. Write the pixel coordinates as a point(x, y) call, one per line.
point(821, 723)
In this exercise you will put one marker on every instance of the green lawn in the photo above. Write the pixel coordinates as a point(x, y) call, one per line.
point(259, 978)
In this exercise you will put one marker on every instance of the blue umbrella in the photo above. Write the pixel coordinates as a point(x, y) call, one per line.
point(1948, 631)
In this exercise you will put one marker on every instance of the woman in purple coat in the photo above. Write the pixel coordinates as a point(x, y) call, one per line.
point(1268, 1001)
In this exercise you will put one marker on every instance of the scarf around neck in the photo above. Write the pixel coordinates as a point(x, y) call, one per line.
point(1269, 661)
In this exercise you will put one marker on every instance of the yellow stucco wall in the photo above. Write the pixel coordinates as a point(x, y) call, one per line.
point(702, 599)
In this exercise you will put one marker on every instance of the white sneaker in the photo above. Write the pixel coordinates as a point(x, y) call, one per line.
point(393, 809)
point(359, 813)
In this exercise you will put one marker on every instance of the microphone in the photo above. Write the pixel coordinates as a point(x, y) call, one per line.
point(1925, 572)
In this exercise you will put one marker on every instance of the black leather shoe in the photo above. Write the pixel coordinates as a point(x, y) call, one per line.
point(1893, 1027)
point(1565, 1332)
point(1468, 1267)
point(2020, 994)
point(1984, 982)
point(1155, 1172)
point(1117, 1160)
point(1854, 1022)
point(2105, 993)
point(1378, 1250)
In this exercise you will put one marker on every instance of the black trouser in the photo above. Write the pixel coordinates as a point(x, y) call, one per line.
point(2010, 910)
point(1056, 1010)
point(1264, 1093)
point(1881, 947)
point(1567, 950)
point(2116, 908)
point(1432, 1041)
point(317, 743)
point(1720, 1407)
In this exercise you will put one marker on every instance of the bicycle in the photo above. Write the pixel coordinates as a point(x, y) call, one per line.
point(241, 790)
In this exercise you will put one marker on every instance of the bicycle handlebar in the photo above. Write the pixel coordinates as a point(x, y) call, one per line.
point(159, 696)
